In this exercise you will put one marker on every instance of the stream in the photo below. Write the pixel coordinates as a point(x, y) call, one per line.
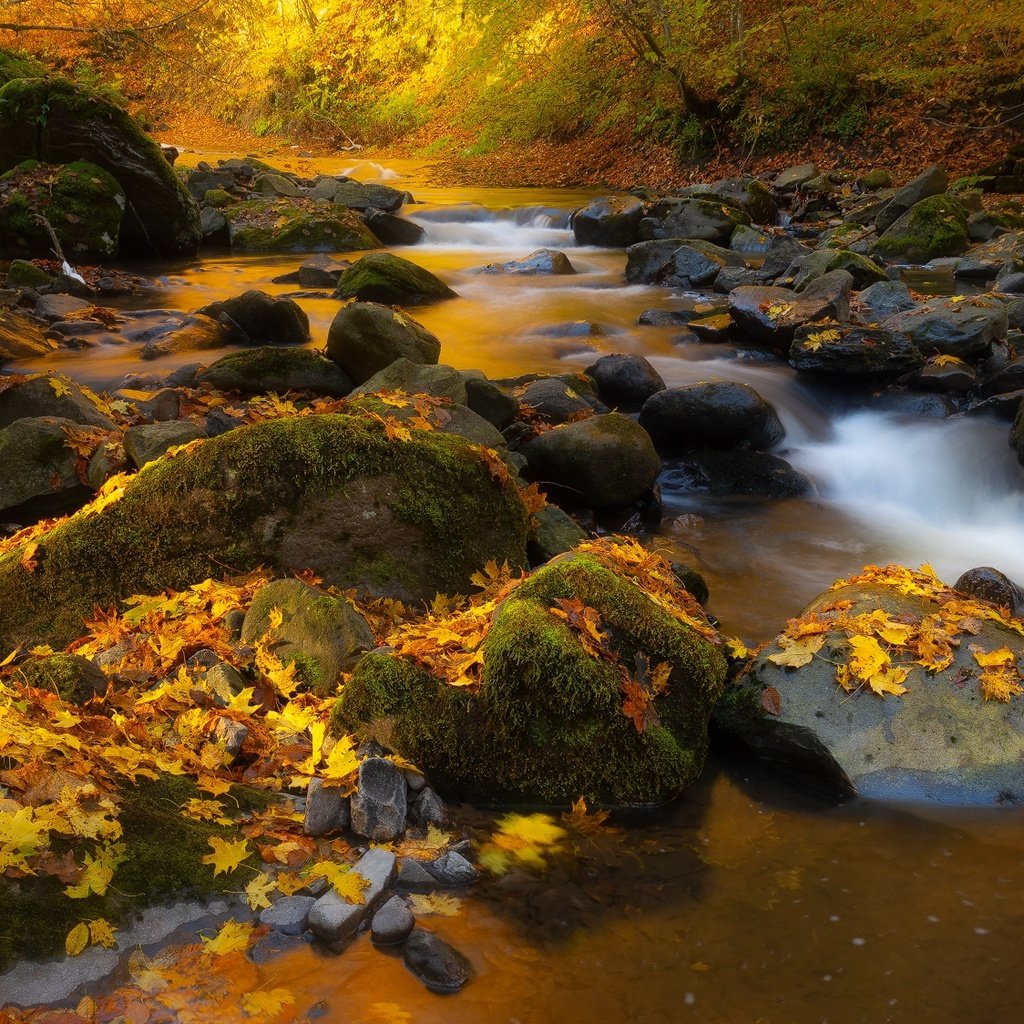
point(746, 900)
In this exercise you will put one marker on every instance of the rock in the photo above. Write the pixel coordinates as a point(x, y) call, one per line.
point(848, 351)
point(319, 632)
point(328, 493)
point(934, 227)
point(439, 966)
point(213, 225)
point(392, 230)
point(749, 240)
point(671, 261)
point(720, 415)
point(264, 319)
point(783, 252)
point(367, 337)
point(986, 260)
point(393, 923)
point(54, 308)
point(625, 380)
point(932, 182)
point(288, 915)
point(555, 532)
point(224, 681)
point(452, 869)
point(1011, 284)
point(795, 177)
point(988, 224)
point(486, 399)
point(59, 123)
point(379, 802)
point(333, 919)
point(547, 719)
point(881, 301)
point(540, 261)
point(753, 197)
point(357, 196)
point(730, 278)
point(988, 584)
point(414, 877)
point(265, 225)
point(402, 375)
point(560, 399)
point(73, 678)
point(321, 271)
point(52, 395)
point(149, 441)
point(937, 741)
point(230, 736)
point(864, 272)
point(21, 337)
point(771, 315)
point(611, 222)
point(327, 809)
point(728, 474)
point(201, 181)
point(944, 327)
point(82, 202)
point(702, 219)
point(429, 808)
point(1008, 378)
point(954, 377)
point(392, 280)
point(605, 461)
point(272, 185)
point(268, 368)
point(195, 333)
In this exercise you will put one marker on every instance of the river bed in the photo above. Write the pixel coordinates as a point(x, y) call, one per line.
point(747, 900)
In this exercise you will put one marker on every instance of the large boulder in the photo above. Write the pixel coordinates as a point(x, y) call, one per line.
point(602, 462)
point(612, 222)
point(677, 262)
point(358, 196)
point(956, 327)
point(845, 351)
point(540, 261)
point(269, 368)
point(555, 716)
point(37, 461)
point(624, 380)
point(81, 202)
point(329, 493)
point(893, 686)
point(367, 337)
point(290, 225)
point(865, 272)
point(50, 394)
point(384, 277)
point(59, 123)
point(720, 415)
point(753, 197)
point(932, 228)
point(703, 219)
point(254, 317)
point(931, 182)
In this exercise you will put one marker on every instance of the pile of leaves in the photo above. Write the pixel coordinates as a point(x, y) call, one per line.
point(883, 649)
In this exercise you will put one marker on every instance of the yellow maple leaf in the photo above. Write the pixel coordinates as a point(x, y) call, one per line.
point(423, 904)
point(797, 653)
point(868, 656)
point(342, 762)
point(258, 891)
point(888, 680)
point(524, 839)
point(212, 785)
point(737, 648)
point(346, 883)
point(1004, 657)
point(275, 618)
point(61, 386)
point(101, 933)
point(266, 1002)
point(226, 856)
point(947, 361)
point(1000, 685)
point(233, 937)
point(816, 339)
point(77, 939)
point(290, 883)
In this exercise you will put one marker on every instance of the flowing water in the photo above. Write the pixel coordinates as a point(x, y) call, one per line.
point(746, 901)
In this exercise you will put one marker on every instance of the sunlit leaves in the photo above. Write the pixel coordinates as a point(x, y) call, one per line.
point(438, 903)
point(523, 840)
point(348, 884)
point(226, 855)
point(233, 937)
point(266, 1002)
point(257, 892)
point(797, 653)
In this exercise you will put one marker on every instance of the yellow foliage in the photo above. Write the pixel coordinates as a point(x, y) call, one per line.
point(233, 937)
point(226, 855)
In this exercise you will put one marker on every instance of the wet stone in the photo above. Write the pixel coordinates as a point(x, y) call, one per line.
point(327, 809)
point(452, 869)
point(392, 923)
point(288, 915)
point(271, 946)
point(333, 919)
point(379, 804)
point(429, 808)
point(414, 877)
point(439, 966)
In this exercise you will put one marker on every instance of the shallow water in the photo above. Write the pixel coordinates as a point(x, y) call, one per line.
point(745, 901)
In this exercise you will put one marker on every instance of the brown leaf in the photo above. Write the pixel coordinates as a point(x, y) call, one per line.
point(771, 701)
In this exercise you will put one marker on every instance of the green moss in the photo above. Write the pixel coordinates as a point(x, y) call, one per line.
point(934, 227)
point(268, 225)
point(391, 280)
point(218, 198)
point(71, 677)
point(18, 64)
point(547, 723)
point(229, 501)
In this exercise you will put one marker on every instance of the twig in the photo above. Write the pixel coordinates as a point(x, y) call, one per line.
point(57, 250)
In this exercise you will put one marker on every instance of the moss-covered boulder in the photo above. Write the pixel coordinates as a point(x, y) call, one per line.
point(320, 633)
point(934, 227)
point(296, 225)
point(59, 123)
point(278, 369)
point(692, 218)
point(384, 277)
point(328, 493)
point(82, 203)
point(72, 677)
point(50, 394)
point(367, 337)
point(891, 686)
point(549, 721)
point(255, 318)
point(865, 272)
point(37, 462)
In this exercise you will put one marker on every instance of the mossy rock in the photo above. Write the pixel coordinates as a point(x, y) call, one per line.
point(82, 202)
point(163, 854)
point(286, 225)
point(547, 723)
point(23, 274)
point(934, 227)
point(60, 123)
point(18, 64)
point(328, 493)
point(391, 280)
point(278, 369)
point(864, 271)
point(72, 677)
point(367, 337)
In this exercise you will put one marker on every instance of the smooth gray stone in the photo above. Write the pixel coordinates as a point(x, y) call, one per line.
point(333, 919)
point(453, 869)
point(392, 923)
point(288, 915)
point(441, 967)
